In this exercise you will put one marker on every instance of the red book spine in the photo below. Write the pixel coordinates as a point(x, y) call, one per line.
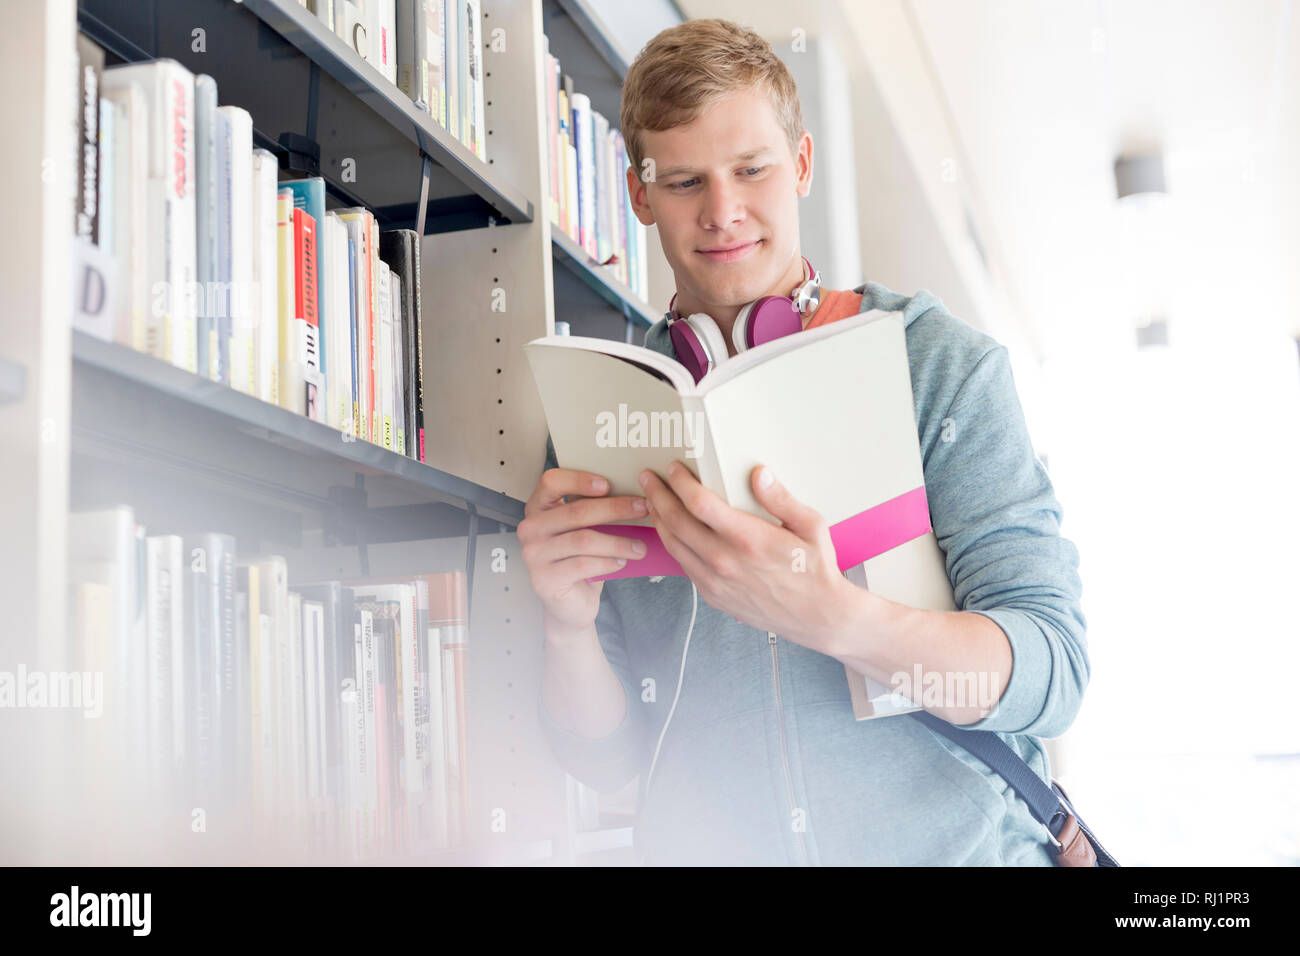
point(304, 238)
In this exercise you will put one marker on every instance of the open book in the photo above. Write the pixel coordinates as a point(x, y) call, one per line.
point(829, 410)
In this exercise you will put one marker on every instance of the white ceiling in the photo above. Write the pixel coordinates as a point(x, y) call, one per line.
point(1044, 95)
point(1038, 97)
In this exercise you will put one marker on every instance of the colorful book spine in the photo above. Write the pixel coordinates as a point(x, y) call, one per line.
point(305, 310)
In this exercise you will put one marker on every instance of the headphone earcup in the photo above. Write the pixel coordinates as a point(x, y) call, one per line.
point(698, 343)
point(771, 317)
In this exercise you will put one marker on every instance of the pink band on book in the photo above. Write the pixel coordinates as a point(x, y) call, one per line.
point(856, 539)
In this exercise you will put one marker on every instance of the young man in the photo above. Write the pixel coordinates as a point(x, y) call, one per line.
point(763, 761)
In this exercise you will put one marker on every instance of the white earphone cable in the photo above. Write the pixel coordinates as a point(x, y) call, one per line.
point(695, 603)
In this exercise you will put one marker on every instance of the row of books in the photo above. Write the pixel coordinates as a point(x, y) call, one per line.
point(432, 50)
point(223, 270)
point(331, 714)
point(589, 199)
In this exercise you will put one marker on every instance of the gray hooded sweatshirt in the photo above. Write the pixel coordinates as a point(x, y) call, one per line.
point(763, 762)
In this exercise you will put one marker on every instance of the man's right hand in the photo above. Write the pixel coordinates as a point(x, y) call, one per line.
point(561, 550)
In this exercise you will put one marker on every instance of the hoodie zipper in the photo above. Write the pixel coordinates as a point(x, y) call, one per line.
point(785, 757)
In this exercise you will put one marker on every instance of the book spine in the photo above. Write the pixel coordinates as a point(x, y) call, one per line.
point(243, 351)
point(563, 119)
point(374, 355)
point(265, 266)
point(399, 367)
point(435, 46)
point(389, 32)
point(305, 316)
point(451, 58)
point(353, 287)
point(601, 185)
point(384, 360)
point(180, 330)
point(162, 592)
point(106, 154)
point(474, 53)
point(290, 385)
point(553, 132)
point(225, 711)
point(313, 622)
point(130, 185)
point(416, 321)
point(464, 82)
point(412, 56)
point(90, 64)
point(309, 196)
point(624, 201)
point(218, 293)
point(207, 215)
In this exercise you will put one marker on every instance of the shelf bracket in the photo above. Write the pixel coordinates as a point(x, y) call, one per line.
point(471, 543)
point(426, 172)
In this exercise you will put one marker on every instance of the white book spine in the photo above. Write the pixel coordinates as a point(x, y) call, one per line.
point(388, 14)
point(384, 385)
point(452, 69)
point(448, 635)
point(361, 266)
point(370, 784)
point(160, 588)
point(208, 215)
point(171, 323)
point(341, 347)
point(313, 623)
point(107, 213)
point(600, 127)
point(243, 352)
point(437, 756)
point(329, 306)
point(265, 265)
point(571, 187)
point(583, 125)
point(399, 346)
point(474, 10)
point(131, 218)
point(324, 10)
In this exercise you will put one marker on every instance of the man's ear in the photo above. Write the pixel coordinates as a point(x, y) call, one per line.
point(636, 189)
point(803, 165)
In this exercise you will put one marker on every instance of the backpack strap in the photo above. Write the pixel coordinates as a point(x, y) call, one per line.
point(1049, 805)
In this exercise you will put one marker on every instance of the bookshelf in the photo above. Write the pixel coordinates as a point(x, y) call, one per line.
point(92, 423)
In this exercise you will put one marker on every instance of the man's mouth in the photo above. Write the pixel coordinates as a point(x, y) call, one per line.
point(731, 252)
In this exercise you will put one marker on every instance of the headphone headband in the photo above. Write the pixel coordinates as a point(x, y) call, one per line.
point(805, 297)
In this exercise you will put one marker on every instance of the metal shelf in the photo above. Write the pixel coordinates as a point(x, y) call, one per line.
point(245, 37)
point(155, 407)
point(600, 279)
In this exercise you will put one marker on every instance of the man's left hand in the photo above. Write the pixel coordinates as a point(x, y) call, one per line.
point(782, 578)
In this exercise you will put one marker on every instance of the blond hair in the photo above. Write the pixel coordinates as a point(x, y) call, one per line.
point(686, 67)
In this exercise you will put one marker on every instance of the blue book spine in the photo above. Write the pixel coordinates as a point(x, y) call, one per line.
point(309, 196)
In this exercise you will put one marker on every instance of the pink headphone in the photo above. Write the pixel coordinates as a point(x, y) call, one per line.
point(698, 341)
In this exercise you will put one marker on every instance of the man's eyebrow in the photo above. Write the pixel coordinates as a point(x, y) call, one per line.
point(738, 158)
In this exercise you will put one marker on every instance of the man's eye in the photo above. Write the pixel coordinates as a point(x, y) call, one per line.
point(683, 184)
point(752, 170)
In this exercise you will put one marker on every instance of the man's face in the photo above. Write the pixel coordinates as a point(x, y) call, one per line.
point(725, 198)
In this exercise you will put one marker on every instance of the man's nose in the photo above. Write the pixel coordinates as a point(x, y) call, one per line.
point(722, 206)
